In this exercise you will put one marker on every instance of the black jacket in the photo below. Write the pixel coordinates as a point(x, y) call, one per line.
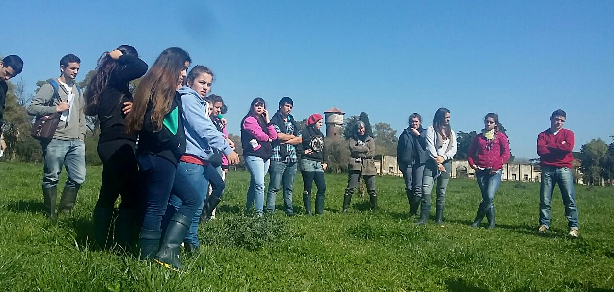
point(3, 89)
point(110, 114)
point(314, 139)
point(412, 149)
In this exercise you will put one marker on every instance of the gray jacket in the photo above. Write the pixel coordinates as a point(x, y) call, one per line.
point(72, 129)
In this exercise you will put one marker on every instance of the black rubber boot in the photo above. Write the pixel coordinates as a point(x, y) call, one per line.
point(490, 215)
point(478, 218)
point(168, 255)
point(102, 226)
point(211, 204)
point(424, 214)
point(190, 248)
point(373, 200)
point(50, 196)
point(307, 203)
point(69, 196)
point(347, 199)
point(125, 229)
point(319, 204)
point(149, 243)
point(439, 215)
point(414, 203)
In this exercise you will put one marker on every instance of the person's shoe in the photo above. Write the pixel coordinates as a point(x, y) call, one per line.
point(168, 255)
point(478, 218)
point(490, 215)
point(307, 203)
point(373, 200)
point(347, 199)
point(573, 232)
point(67, 202)
point(425, 211)
point(125, 229)
point(190, 248)
point(102, 225)
point(212, 202)
point(542, 229)
point(49, 198)
point(149, 242)
point(439, 216)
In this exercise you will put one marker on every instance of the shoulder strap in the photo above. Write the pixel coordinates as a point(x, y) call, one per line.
point(55, 90)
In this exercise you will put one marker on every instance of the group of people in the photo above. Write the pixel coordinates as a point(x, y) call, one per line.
point(425, 156)
point(170, 136)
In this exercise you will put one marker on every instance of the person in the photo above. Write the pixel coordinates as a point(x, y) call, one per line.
point(10, 66)
point(361, 163)
point(108, 97)
point(313, 163)
point(67, 147)
point(441, 148)
point(283, 162)
point(257, 133)
point(488, 152)
point(411, 157)
point(195, 167)
point(554, 147)
point(156, 116)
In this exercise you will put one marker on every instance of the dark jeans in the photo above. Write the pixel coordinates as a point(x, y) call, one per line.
point(413, 174)
point(119, 174)
point(354, 177)
point(156, 176)
point(281, 175)
point(310, 176)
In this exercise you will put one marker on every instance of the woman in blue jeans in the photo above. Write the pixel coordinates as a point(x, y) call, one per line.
point(441, 148)
point(257, 133)
point(313, 163)
point(488, 152)
point(156, 116)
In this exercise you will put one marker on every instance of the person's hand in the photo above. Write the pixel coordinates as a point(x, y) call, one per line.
point(115, 54)
point(127, 107)
point(2, 145)
point(308, 151)
point(441, 167)
point(230, 143)
point(224, 121)
point(324, 165)
point(473, 166)
point(265, 114)
point(415, 132)
point(62, 107)
point(440, 159)
point(233, 158)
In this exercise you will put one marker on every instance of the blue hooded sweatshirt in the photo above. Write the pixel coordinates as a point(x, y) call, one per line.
point(200, 133)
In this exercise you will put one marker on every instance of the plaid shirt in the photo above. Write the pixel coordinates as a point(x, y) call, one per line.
point(291, 148)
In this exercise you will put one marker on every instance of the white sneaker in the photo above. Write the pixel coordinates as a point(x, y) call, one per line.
point(542, 229)
point(573, 232)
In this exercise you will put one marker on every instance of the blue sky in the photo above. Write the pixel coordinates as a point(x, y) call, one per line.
point(520, 59)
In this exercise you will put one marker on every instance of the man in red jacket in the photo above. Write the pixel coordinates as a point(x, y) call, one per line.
point(554, 147)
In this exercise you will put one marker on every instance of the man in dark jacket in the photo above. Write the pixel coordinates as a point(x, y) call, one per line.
point(10, 66)
point(411, 156)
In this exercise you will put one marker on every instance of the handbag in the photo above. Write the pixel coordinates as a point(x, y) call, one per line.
point(44, 127)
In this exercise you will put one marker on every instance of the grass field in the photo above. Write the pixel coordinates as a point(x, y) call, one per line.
point(358, 251)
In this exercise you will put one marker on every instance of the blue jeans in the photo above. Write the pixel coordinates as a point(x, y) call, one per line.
point(59, 153)
point(564, 177)
point(430, 174)
point(281, 172)
point(488, 183)
point(258, 168)
point(413, 174)
point(156, 176)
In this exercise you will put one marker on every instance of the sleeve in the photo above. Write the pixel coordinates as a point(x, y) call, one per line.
point(569, 143)
point(38, 106)
point(505, 148)
point(357, 150)
point(272, 132)
point(196, 119)
point(131, 68)
point(371, 146)
point(82, 120)
point(472, 154)
point(453, 148)
point(541, 145)
point(250, 124)
point(401, 146)
point(422, 139)
point(430, 142)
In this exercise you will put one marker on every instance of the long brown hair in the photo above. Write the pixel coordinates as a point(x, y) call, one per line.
point(100, 80)
point(158, 85)
point(439, 122)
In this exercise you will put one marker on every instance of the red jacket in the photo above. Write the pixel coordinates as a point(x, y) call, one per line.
point(555, 150)
point(494, 157)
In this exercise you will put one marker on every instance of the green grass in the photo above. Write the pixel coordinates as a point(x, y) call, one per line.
point(359, 251)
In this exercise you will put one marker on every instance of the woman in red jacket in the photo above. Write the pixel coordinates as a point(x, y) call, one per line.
point(488, 152)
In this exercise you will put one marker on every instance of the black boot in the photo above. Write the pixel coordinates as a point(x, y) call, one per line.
point(211, 204)
point(424, 214)
point(319, 204)
point(102, 225)
point(307, 203)
point(168, 255)
point(439, 215)
point(190, 248)
point(125, 229)
point(149, 243)
point(478, 218)
point(490, 215)
point(69, 196)
point(50, 196)
point(414, 203)
point(347, 199)
point(373, 200)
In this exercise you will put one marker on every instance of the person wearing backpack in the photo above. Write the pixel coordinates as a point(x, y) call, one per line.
point(66, 147)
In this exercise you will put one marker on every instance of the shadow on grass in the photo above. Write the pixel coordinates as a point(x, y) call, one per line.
point(26, 206)
point(460, 285)
point(229, 209)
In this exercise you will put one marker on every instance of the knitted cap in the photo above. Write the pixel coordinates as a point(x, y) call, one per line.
point(313, 119)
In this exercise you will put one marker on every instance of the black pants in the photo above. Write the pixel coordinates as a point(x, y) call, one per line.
point(354, 178)
point(119, 174)
point(309, 177)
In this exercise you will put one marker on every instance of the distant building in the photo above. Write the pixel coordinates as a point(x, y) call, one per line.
point(334, 122)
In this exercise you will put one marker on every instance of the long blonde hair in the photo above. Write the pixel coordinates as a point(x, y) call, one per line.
point(159, 85)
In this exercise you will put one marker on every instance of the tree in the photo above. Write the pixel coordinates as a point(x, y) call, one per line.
point(386, 139)
point(463, 141)
point(338, 154)
point(594, 161)
point(350, 125)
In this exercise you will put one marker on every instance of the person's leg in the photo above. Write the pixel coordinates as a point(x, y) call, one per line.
point(321, 185)
point(353, 177)
point(406, 170)
point(370, 183)
point(442, 185)
point(493, 184)
point(428, 180)
point(75, 167)
point(276, 172)
point(189, 187)
point(565, 179)
point(545, 196)
point(288, 186)
point(481, 179)
point(126, 227)
point(109, 192)
point(217, 189)
point(257, 167)
point(53, 155)
point(416, 186)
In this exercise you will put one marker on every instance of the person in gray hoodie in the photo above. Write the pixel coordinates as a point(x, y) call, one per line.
point(61, 95)
point(411, 157)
